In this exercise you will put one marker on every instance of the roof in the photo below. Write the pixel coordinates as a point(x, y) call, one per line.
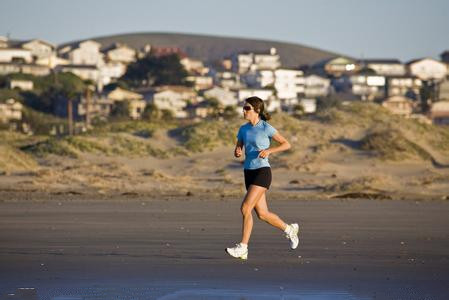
point(37, 40)
point(419, 59)
point(78, 66)
point(381, 61)
point(175, 88)
point(115, 46)
point(366, 71)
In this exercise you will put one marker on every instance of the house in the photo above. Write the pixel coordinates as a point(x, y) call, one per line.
point(15, 55)
point(399, 105)
point(309, 105)
point(288, 83)
point(194, 66)
point(85, 72)
point(52, 61)
point(200, 82)
point(135, 101)
point(99, 106)
point(227, 79)
point(10, 110)
point(171, 100)
point(247, 61)
point(403, 86)
point(33, 69)
point(385, 67)
point(199, 110)
point(24, 85)
point(83, 53)
point(316, 86)
point(427, 69)
point(367, 84)
point(439, 113)
point(111, 71)
point(443, 91)
point(39, 49)
point(3, 42)
point(336, 66)
point(119, 53)
point(263, 94)
point(224, 96)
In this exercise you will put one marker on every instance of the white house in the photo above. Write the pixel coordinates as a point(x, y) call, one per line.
point(172, 101)
point(224, 96)
point(316, 86)
point(309, 105)
point(403, 85)
point(385, 67)
point(200, 82)
point(33, 69)
point(24, 85)
point(9, 55)
point(289, 83)
point(85, 53)
point(120, 53)
point(427, 69)
point(111, 70)
point(367, 84)
point(39, 49)
point(85, 72)
point(52, 61)
point(247, 61)
point(10, 110)
point(228, 79)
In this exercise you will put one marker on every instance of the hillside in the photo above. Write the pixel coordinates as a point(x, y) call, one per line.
point(210, 48)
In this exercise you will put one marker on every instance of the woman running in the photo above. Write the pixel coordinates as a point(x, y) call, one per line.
point(256, 136)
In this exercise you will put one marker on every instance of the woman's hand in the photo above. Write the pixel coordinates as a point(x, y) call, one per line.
point(238, 151)
point(264, 153)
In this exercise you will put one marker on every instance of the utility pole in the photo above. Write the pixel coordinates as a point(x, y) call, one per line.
point(70, 115)
point(88, 100)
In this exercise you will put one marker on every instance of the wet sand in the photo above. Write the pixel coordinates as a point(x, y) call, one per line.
point(144, 248)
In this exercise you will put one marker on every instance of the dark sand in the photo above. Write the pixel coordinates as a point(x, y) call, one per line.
point(141, 248)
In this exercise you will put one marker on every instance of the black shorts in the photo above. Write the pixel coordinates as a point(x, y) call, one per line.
point(260, 177)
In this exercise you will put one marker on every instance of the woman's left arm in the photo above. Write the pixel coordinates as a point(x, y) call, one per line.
point(283, 146)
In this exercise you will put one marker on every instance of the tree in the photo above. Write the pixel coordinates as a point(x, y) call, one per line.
point(151, 112)
point(156, 71)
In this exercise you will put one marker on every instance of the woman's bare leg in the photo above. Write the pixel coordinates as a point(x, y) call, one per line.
point(252, 196)
point(265, 215)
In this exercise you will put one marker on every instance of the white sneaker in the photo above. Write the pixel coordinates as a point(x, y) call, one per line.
point(293, 235)
point(238, 251)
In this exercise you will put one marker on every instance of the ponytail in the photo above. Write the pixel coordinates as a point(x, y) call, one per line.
point(259, 106)
point(264, 115)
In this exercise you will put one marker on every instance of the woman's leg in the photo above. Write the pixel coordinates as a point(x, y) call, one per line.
point(252, 196)
point(265, 215)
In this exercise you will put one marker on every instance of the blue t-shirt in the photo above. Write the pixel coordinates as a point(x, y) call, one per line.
point(255, 139)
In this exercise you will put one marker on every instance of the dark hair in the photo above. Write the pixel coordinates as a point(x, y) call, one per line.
point(259, 107)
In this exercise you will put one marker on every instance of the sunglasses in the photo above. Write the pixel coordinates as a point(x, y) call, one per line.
point(247, 108)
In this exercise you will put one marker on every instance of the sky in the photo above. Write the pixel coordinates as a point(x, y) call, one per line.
point(402, 29)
